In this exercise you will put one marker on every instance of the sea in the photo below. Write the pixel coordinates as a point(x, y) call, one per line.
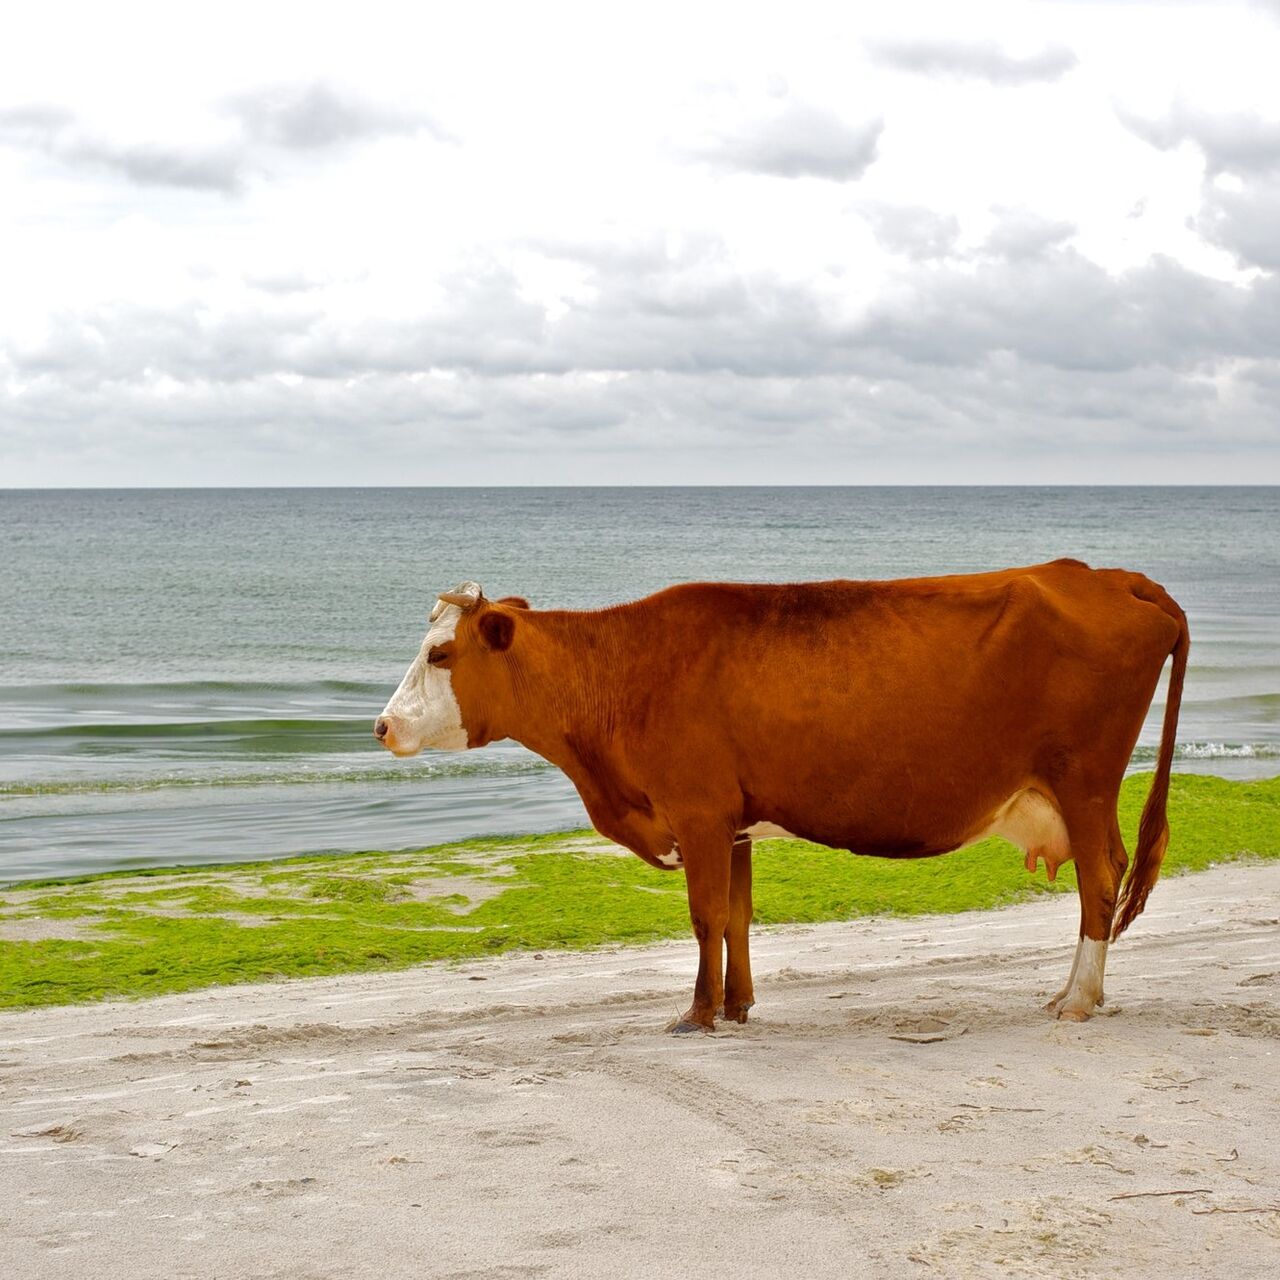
point(191, 676)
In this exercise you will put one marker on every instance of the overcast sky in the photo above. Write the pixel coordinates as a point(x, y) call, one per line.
point(542, 243)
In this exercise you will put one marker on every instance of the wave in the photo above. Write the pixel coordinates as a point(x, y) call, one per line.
point(486, 768)
point(1211, 751)
point(168, 688)
point(201, 729)
point(492, 763)
point(1236, 701)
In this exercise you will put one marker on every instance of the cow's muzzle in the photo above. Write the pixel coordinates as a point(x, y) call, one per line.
point(396, 735)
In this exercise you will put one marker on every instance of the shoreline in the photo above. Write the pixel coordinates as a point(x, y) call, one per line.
point(153, 932)
point(217, 820)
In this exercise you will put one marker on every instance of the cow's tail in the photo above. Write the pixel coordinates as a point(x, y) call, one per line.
point(1153, 830)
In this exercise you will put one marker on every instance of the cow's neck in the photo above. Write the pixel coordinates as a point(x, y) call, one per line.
point(570, 699)
point(566, 686)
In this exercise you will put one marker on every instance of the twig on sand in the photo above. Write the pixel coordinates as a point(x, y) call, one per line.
point(973, 1106)
point(1181, 1191)
point(1248, 1208)
point(932, 1035)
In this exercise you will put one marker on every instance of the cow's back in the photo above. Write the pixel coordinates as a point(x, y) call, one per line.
point(843, 710)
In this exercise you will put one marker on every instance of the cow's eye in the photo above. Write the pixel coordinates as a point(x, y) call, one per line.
point(437, 655)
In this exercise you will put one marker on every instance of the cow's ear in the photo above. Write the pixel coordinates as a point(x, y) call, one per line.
point(496, 630)
point(513, 602)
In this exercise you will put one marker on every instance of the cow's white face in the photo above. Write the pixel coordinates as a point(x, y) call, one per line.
point(423, 711)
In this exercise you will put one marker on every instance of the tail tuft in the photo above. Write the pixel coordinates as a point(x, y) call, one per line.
point(1153, 830)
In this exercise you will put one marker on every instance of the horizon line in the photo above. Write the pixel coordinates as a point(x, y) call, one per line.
point(359, 488)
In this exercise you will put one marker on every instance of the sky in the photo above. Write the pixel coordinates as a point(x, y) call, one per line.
point(493, 244)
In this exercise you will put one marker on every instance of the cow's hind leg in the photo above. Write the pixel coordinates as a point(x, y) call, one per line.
point(707, 860)
point(1100, 859)
point(738, 994)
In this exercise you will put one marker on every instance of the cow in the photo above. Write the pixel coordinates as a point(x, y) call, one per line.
point(898, 719)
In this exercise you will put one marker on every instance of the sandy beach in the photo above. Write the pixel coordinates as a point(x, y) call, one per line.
point(898, 1106)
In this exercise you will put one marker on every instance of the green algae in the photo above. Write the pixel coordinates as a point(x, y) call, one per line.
point(154, 932)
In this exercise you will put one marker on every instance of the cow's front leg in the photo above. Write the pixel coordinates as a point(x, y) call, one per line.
point(738, 995)
point(707, 858)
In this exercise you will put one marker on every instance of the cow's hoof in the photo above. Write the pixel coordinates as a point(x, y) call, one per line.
point(686, 1027)
point(1060, 1002)
point(738, 1013)
point(1067, 1006)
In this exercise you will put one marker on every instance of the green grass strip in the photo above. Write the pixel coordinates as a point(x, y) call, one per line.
point(154, 932)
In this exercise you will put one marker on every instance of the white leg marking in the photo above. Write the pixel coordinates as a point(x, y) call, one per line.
point(1083, 992)
point(1052, 1006)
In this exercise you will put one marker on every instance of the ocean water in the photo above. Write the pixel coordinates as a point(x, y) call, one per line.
point(191, 676)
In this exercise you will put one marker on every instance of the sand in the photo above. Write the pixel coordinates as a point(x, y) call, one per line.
point(899, 1106)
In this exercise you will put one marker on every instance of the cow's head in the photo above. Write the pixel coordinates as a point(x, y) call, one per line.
point(441, 700)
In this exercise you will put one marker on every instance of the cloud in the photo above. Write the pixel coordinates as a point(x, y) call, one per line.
point(306, 118)
point(795, 140)
point(689, 313)
point(924, 235)
point(1240, 202)
point(284, 280)
point(1001, 418)
point(31, 123)
point(60, 135)
point(1061, 311)
point(920, 234)
point(974, 60)
point(310, 117)
point(964, 369)
point(1238, 142)
point(1022, 234)
point(1244, 222)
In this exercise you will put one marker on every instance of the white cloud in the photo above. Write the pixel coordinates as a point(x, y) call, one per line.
point(975, 59)
point(308, 118)
point(56, 132)
point(1245, 221)
point(691, 245)
point(1231, 142)
point(796, 140)
point(312, 116)
point(1023, 233)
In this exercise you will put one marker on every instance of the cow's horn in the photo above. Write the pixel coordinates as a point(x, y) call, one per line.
point(466, 595)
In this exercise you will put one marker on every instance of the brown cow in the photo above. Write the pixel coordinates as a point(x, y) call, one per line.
point(898, 719)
